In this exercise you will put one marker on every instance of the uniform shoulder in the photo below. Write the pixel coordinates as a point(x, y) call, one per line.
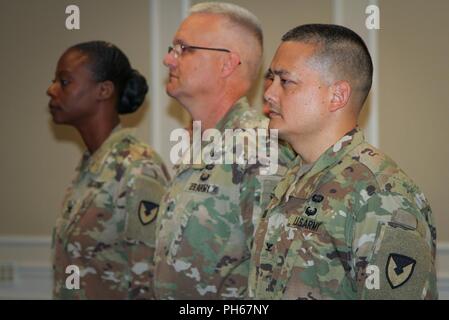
point(135, 155)
point(383, 175)
point(382, 168)
point(133, 149)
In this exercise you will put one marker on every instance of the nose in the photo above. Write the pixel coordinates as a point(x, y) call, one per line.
point(270, 95)
point(50, 89)
point(170, 60)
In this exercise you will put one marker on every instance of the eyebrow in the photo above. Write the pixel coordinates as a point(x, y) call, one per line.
point(278, 72)
point(64, 72)
point(179, 41)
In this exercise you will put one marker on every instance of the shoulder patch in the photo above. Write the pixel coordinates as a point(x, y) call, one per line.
point(147, 212)
point(399, 269)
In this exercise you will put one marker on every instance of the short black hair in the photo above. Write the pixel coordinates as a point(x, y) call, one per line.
point(108, 62)
point(342, 50)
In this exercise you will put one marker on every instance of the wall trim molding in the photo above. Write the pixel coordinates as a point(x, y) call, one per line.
point(33, 276)
point(18, 240)
point(28, 257)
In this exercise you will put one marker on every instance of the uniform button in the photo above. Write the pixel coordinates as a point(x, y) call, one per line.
point(317, 198)
point(310, 211)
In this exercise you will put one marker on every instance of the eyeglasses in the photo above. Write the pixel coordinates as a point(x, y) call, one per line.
point(178, 49)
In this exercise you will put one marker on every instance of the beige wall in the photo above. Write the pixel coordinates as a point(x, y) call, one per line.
point(39, 158)
point(414, 96)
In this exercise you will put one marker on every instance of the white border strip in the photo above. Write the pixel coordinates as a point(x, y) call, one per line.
point(185, 6)
point(337, 12)
point(339, 17)
point(373, 45)
point(155, 70)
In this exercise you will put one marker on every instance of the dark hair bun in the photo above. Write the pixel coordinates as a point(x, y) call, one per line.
point(133, 94)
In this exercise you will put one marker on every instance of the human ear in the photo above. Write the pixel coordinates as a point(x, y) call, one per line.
point(340, 94)
point(231, 62)
point(105, 90)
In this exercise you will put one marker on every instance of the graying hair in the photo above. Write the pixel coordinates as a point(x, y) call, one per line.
point(236, 14)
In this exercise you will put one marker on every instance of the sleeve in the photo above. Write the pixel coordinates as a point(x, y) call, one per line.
point(392, 249)
point(254, 195)
point(144, 186)
point(259, 181)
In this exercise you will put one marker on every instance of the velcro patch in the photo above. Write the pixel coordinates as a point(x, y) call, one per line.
point(404, 261)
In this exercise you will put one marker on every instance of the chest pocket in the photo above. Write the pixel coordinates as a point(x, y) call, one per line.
point(207, 211)
point(212, 189)
point(92, 214)
point(306, 240)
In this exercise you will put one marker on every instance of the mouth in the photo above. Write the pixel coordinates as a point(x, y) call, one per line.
point(274, 114)
point(53, 107)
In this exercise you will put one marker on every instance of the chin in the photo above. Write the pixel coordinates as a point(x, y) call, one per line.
point(170, 91)
point(278, 126)
point(275, 123)
point(55, 118)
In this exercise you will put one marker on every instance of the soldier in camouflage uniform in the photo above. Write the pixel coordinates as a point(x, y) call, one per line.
point(345, 222)
point(206, 222)
point(107, 227)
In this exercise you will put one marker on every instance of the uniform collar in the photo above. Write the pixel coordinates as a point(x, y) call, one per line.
point(303, 185)
point(94, 162)
point(229, 121)
point(232, 117)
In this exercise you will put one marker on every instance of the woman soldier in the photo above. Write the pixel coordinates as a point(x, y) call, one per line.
point(103, 241)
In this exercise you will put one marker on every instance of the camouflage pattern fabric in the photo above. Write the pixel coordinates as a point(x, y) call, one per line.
point(206, 221)
point(328, 225)
point(107, 227)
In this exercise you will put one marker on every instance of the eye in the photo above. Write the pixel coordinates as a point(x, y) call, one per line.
point(269, 76)
point(285, 82)
point(184, 48)
point(64, 82)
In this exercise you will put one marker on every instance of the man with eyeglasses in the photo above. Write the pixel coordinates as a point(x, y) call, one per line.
point(205, 234)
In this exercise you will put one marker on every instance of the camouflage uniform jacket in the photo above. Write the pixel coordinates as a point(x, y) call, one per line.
point(206, 222)
point(352, 227)
point(107, 226)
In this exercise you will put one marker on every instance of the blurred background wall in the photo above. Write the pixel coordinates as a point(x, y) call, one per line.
point(407, 114)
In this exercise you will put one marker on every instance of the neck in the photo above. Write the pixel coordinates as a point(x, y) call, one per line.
point(312, 146)
point(96, 131)
point(210, 111)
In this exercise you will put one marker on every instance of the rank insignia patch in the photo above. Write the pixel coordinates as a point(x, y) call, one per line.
point(399, 269)
point(147, 212)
